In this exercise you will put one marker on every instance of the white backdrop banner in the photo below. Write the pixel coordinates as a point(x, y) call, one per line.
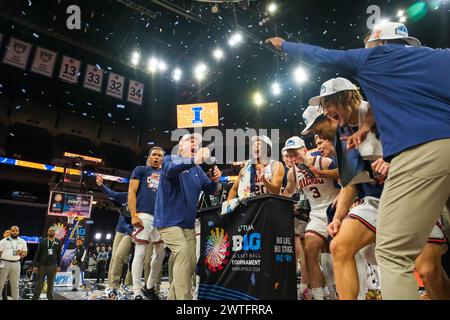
point(70, 69)
point(44, 62)
point(135, 92)
point(115, 85)
point(17, 53)
point(93, 78)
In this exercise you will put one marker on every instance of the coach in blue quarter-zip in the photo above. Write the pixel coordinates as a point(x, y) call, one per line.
point(180, 185)
point(408, 87)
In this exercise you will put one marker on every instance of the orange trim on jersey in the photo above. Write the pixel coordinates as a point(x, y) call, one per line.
point(135, 233)
point(437, 241)
point(316, 233)
point(419, 280)
point(364, 222)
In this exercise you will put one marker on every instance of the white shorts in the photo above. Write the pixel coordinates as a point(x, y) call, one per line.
point(197, 227)
point(318, 223)
point(147, 233)
point(299, 228)
point(366, 209)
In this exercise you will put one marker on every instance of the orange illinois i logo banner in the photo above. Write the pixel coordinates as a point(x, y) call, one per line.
point(198, 115)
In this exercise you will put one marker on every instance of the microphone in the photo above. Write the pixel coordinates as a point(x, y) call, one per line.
point(211, 161)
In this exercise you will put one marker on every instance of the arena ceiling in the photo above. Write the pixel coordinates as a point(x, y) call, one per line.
point(184, 33)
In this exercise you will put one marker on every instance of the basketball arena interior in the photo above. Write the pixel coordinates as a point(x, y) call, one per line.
point(224, 150)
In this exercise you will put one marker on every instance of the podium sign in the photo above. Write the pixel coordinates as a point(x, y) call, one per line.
point(248, 254)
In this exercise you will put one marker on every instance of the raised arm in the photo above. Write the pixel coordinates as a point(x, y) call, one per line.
point(274, 186)
point(119, 197)
point(174, 166)
point(234, 189)
point(290, 187)
point(343, 60)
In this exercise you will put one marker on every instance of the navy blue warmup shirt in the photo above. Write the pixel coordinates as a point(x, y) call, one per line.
point(124, 223)
point(408, 88)
point(148, 186)
point(179, 189)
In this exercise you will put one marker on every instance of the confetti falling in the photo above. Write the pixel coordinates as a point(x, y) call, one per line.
point(113, 33)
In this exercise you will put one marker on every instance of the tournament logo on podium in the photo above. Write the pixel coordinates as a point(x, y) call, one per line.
point(60, 231)
point(217, 250)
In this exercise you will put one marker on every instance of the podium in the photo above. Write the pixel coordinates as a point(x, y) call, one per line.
point(248, 254)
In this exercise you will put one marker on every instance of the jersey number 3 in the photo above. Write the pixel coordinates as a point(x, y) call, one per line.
point(315, 191)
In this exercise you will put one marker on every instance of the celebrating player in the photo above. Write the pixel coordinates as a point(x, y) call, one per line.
point(260, 175)
point(321, 193)
point(141, 202)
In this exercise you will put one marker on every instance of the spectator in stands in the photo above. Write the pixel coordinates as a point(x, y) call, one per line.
point(102, 259)
point(77, 265)
point(12, 250)
point(47, 261)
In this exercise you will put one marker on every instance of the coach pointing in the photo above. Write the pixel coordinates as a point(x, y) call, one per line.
point(180, 185)
point(409, 89)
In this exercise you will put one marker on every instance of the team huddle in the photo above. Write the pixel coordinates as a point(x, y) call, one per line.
point(372, 200)
point(342, 180)
point(344, 210)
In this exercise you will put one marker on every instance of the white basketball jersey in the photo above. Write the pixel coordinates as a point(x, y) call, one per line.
point(260, 188)
point(320, 192)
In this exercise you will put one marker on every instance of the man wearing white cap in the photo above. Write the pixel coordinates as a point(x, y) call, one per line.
point(324, 128)
point(354, 224)
point(180, 185)
point(261, 174)
point(409, 89)
point(321, 193)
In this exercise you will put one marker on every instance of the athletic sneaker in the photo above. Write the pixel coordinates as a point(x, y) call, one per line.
point(150, 293)
point(138, 297)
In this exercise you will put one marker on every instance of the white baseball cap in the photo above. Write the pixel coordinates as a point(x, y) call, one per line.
point(331, 87)
point(392, 31)
point(293, 143)
point(266, 139)
point(311, 114)
point(196, 136)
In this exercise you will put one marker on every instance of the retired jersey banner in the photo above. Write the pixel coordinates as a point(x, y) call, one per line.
point(135, 92)
point(198, 115)
point(115, 85)
point(17, 53)
point(70, 70)
point(93, 78)
point(248, 254)
point(44, 62)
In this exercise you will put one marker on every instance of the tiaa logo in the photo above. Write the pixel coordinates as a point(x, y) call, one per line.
point(323, 88)
point(290, 143)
